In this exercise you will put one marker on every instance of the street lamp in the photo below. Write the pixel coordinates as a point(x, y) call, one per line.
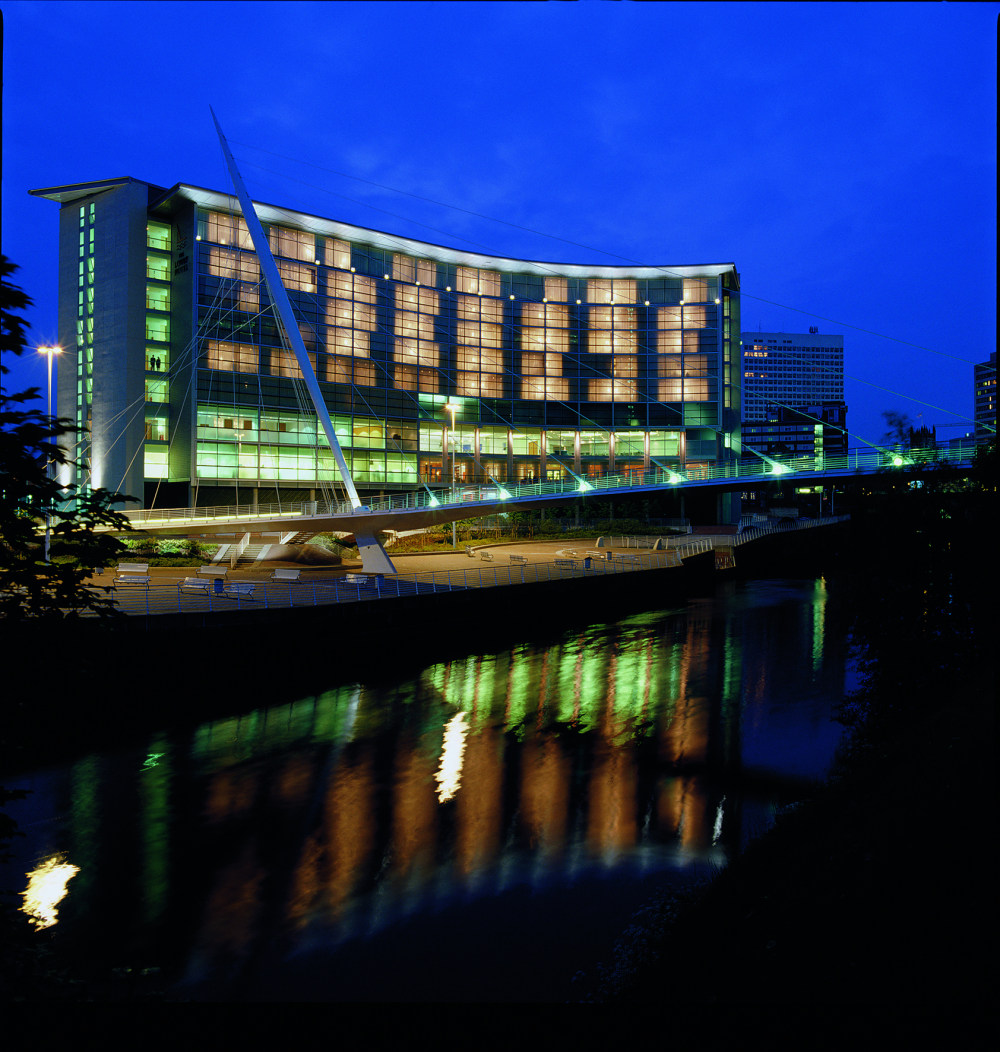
point(50, 353)
point(451, 434)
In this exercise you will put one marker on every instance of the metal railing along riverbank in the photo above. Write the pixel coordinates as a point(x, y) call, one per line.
point(249, 594)
point(171, 598)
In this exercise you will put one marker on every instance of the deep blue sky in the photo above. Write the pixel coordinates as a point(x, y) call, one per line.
point(843, 156)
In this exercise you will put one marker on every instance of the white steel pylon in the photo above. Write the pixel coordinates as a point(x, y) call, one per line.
point(373, 556)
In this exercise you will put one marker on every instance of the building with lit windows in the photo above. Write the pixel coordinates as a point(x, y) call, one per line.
point(185, 393)
point(793, 394)
point(985, 399)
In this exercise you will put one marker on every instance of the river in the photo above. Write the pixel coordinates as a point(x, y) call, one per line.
point(480, 831)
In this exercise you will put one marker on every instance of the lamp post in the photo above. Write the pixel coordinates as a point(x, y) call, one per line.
point(50, 353)
point(451, 435)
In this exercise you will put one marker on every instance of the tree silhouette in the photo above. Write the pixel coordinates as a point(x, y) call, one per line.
point(31, 587)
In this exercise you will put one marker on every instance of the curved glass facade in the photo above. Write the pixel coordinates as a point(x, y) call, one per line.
point(430, 359)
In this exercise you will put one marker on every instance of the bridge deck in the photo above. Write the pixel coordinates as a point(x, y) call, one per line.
point(415, 510)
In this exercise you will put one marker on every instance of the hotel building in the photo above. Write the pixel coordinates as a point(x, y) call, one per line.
point(178, 377)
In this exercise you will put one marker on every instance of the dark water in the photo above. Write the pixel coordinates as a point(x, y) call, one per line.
point(482, 831)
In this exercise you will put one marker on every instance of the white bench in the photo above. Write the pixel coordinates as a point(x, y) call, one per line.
point(285, 574)
point(235, 589)
point(213, 571)
point(132, 573)
point(523, 559)
point(486, 557)
point(194, 584)
point(470, 551)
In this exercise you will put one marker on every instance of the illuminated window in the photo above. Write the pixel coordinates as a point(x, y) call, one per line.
point(156, 429)
point(417, 298)
point(296, 277)
point(599, 290)
point(541, 388)
point(348, 286)
point(347, 341)
point(474, 332)
point(157, 235)
point(612, 390)
point(413, 325)
point(420, 352)
point(157, 391)
point(696, 317)
point(157, 297)
point(624, 365)
point(284, 363)
point(157, 267)
point(223, 229)
point(157, 328)
point(233, 357)
point(556, 289)
point(479, 385)
point(629, 443)
point(155, 464)
point(668, 317)
point(293, 244)
point(480, 308)
point(344, 370)
point(403, 268)
point(664, 443)
point(349, 313)
point(336, 253)
point(695, 290)
point(481, 282)
point(426, 272)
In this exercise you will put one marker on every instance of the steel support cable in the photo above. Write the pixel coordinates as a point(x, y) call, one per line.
point(555, 237)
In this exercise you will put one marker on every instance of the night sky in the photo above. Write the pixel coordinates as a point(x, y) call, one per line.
point(843, 156)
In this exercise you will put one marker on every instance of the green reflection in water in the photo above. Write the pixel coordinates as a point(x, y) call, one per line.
point(818, 609)
point(154, 786)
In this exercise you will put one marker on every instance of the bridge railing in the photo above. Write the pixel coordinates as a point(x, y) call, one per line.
point(857, 461)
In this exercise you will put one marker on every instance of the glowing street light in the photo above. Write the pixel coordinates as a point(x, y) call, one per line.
point(50, 352)
point(450, 408)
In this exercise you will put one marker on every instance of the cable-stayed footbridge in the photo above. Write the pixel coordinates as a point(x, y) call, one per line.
point(416, 510)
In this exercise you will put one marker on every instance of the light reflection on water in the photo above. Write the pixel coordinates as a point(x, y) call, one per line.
point(576, 774)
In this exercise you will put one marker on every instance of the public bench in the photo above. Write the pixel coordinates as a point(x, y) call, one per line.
point(212, 571)
point(194, 584)
point(132, 573)
point(470, 551)
point(522, 559)
point(236, 589)
point(486, 557)
point(285, 574)
point(566, 564)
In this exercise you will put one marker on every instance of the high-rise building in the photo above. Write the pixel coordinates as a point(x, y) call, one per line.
point(179, 379)
point(793, 394)
point(985, 395)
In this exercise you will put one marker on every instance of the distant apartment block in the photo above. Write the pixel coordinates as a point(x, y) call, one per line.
point(793, 394)
point(985, 379)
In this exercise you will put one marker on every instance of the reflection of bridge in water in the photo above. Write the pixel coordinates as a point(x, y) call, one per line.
point(416, 510)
